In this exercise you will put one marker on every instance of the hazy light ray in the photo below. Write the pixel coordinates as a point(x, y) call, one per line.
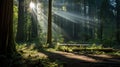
point(43, 23)
point(67, 17)
point(35, 11)
point(42, 19)
point(55, 27)
point(58, 30)
point(64, 16)
point(45, 16)
point(75, 18)
point(71, 17)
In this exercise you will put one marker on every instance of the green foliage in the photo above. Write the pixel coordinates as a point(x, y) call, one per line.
point(15, 18)
point(58, 38)
point(32, 56)
point(117, 53)
point(43, 39)
point(64, 48)
point(20, 46)
point(94, 46)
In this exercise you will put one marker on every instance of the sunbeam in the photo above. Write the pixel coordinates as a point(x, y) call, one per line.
point(72, 17)
point(58, 30)
point(75, 18)
point(32, 5)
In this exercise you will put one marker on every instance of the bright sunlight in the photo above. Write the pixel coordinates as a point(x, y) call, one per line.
point(32, 5)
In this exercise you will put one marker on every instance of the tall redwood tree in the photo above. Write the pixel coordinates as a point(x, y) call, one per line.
point(7, 45)
point(20, 36)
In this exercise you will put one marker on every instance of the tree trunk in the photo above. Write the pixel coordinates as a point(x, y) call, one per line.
point(20, 36)
point(102, 15)
point(7, 45)
point(49, 33)
point(118, 21)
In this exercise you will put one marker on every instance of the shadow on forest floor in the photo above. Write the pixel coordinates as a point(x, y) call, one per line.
point(74, 60)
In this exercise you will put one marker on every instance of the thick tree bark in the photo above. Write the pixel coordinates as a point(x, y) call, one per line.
point(7, 45)
point(49, 33)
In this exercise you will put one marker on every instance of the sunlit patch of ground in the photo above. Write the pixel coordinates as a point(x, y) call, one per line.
point(104, 56)
point(27, 52)
point(35, 57)
point(79, 57)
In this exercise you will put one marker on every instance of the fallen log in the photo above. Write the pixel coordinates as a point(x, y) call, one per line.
point(103, 49)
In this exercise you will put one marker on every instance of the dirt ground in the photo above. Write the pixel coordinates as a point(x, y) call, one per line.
point(91, 60)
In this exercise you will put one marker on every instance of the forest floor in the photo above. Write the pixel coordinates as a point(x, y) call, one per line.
point(84, 60)
point(36, 58)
